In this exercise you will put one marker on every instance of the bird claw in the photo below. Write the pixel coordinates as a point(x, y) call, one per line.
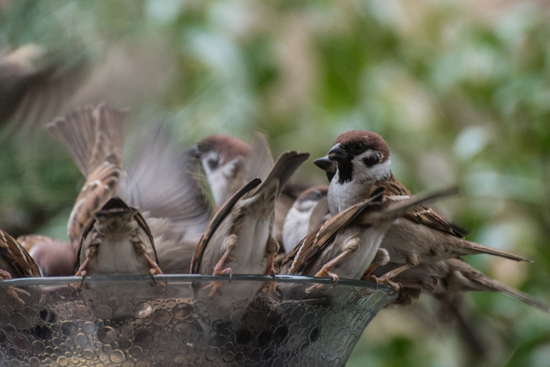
point(323, 273)
point(152, 273)
point(12, 291)
point(373, 279)
point(267, 289)
point(315, 287)
point(386, 280)
point(215, 285)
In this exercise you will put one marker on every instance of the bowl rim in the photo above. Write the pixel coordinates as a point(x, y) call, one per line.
point(192, 278)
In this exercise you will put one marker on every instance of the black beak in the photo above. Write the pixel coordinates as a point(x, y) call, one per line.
point(323, 163)
point(337, 153)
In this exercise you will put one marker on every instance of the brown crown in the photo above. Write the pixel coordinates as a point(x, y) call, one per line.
point(371, 140)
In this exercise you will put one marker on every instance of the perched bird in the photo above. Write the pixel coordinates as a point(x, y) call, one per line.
point(223, 159)
point(15, 262)
point(239, 237)
point(117, 241)
point(455, 276)
point(230, 163)
point(309, 210)
point(347, 243)
point(53, 257)
point(362, 161)
point(159, 182)
point(94, 138)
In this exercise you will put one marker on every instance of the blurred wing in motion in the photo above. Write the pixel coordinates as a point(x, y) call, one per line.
point(162, 184)
point(35, 85)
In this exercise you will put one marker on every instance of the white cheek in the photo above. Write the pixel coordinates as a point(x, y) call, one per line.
point(219, 178)
point(212, 155)
point(374, 173)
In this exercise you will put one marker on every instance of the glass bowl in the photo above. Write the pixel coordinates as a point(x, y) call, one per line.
point(132, 321)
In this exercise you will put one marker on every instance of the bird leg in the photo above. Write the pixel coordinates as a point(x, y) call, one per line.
point(229, 244)
point(153, 268)
point(82, 271)
point(90, 253)
point(271, 251)
point(387, 278)
point(12, 291)
point(349, 247)
point(381, 258)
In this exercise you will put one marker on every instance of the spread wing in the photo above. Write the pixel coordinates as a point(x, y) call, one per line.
point(163, 183)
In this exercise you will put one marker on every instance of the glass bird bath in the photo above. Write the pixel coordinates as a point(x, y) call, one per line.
point(130, 321)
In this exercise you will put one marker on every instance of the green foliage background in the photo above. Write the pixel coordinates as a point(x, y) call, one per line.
point(461, 97)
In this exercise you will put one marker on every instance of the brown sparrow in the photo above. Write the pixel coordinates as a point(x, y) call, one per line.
point(15, 262)
point(239, 237)
point(347, 243)
point(230, 163)
point(53, 257)
point(306, 214)
point(223, 159)
point(160, 183)
point(117, 241)
point(454, 276)
point(94, 138)
point(362, 161)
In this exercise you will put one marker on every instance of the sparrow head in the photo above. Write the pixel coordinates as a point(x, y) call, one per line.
point(358, 153)
point(115, 217)
point(222, 158)
point(217, 150)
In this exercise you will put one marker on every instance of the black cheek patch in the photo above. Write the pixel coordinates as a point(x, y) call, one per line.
point(345, 172)
point(372, 160)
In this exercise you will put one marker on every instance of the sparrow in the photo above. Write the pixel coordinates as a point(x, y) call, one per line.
point(94, 138)
point(362, 161)
point(223, 159)
point(117, 241)
point(453, 276)
point(348, 242)
point(15, 262)
point(230, 163)
point(309, 210)
point(239, 237)
point(53, 257)
point(160, 182)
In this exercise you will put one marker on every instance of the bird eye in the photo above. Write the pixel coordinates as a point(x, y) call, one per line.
point(358, 147)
